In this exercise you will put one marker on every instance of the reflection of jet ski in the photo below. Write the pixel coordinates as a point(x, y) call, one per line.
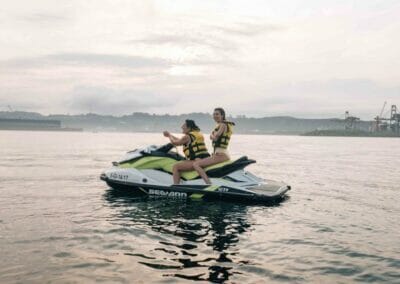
point(203, 238)
point(149, 171)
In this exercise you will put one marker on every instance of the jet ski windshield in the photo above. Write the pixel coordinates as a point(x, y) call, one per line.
point(165, 148)
point(152, 150)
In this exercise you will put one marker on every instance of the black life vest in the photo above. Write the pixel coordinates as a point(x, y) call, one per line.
point(223, 140)
point(196, 148)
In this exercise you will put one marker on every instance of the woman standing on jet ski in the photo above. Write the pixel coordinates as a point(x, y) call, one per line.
point(220, 139)
point(194, 148)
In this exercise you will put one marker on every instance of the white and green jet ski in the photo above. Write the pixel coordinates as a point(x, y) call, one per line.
point(148, 171)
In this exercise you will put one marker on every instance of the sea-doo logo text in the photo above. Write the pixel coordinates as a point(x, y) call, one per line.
point(167, 193)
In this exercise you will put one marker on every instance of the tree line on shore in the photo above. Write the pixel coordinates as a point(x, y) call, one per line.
point(145, 122)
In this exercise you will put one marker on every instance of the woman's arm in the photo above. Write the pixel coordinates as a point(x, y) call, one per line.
point(169, 135)
point(221, 130)
point(178, 141)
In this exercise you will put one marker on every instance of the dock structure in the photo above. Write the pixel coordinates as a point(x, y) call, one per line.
point(350, 122)
point(34, 124)
point(29, 124)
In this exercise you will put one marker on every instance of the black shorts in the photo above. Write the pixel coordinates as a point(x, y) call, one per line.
point(203, 156)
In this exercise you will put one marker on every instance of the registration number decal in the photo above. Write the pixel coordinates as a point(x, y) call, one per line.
point(119, 176)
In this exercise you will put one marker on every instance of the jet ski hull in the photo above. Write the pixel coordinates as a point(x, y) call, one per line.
point(148, 171)
point(200, 192)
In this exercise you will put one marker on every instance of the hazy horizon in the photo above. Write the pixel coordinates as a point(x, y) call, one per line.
point(238, 116)
point(259, 59)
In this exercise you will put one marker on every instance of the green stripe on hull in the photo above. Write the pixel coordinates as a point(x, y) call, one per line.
point(157, 163)
point(201, 195)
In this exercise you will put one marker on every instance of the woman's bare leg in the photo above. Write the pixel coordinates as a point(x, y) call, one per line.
point(214, 159)
point(180, 167)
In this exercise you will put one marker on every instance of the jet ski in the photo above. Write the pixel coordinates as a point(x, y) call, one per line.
point(148, 171)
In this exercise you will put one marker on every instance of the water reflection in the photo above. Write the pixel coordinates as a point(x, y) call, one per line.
point(199, 239)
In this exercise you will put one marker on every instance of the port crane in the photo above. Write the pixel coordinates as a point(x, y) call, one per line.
point(383, 123)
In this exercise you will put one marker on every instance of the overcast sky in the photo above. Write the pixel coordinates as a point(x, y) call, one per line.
point(309, 58)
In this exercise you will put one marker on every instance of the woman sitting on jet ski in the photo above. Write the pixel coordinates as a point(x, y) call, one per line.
point(194, 147)
point(220, 139)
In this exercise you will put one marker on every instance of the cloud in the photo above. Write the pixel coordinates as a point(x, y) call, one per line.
point(231, 53)
point(46, 18)
point(87, 59)
point(202, 43)
point(325, 98)
point(167, 39)
point(184, 40)
point(203, 37)
point(249, 29)
point(115, 101)
point(110, 59)
point(344, 88)
point(22, 103)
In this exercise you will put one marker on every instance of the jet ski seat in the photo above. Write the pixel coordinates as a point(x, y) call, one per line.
point(165, 163)
point(221, 169)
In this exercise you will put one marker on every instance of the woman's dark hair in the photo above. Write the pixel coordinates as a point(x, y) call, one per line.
point(192, 125)
point(222, 112)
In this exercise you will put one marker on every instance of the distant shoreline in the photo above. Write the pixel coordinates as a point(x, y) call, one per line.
point(151, 123)
point(66, 129)
point(145, 122)
point(239, 134)
point(350, 133)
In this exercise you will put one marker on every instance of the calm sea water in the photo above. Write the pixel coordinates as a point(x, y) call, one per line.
point(60, 223)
